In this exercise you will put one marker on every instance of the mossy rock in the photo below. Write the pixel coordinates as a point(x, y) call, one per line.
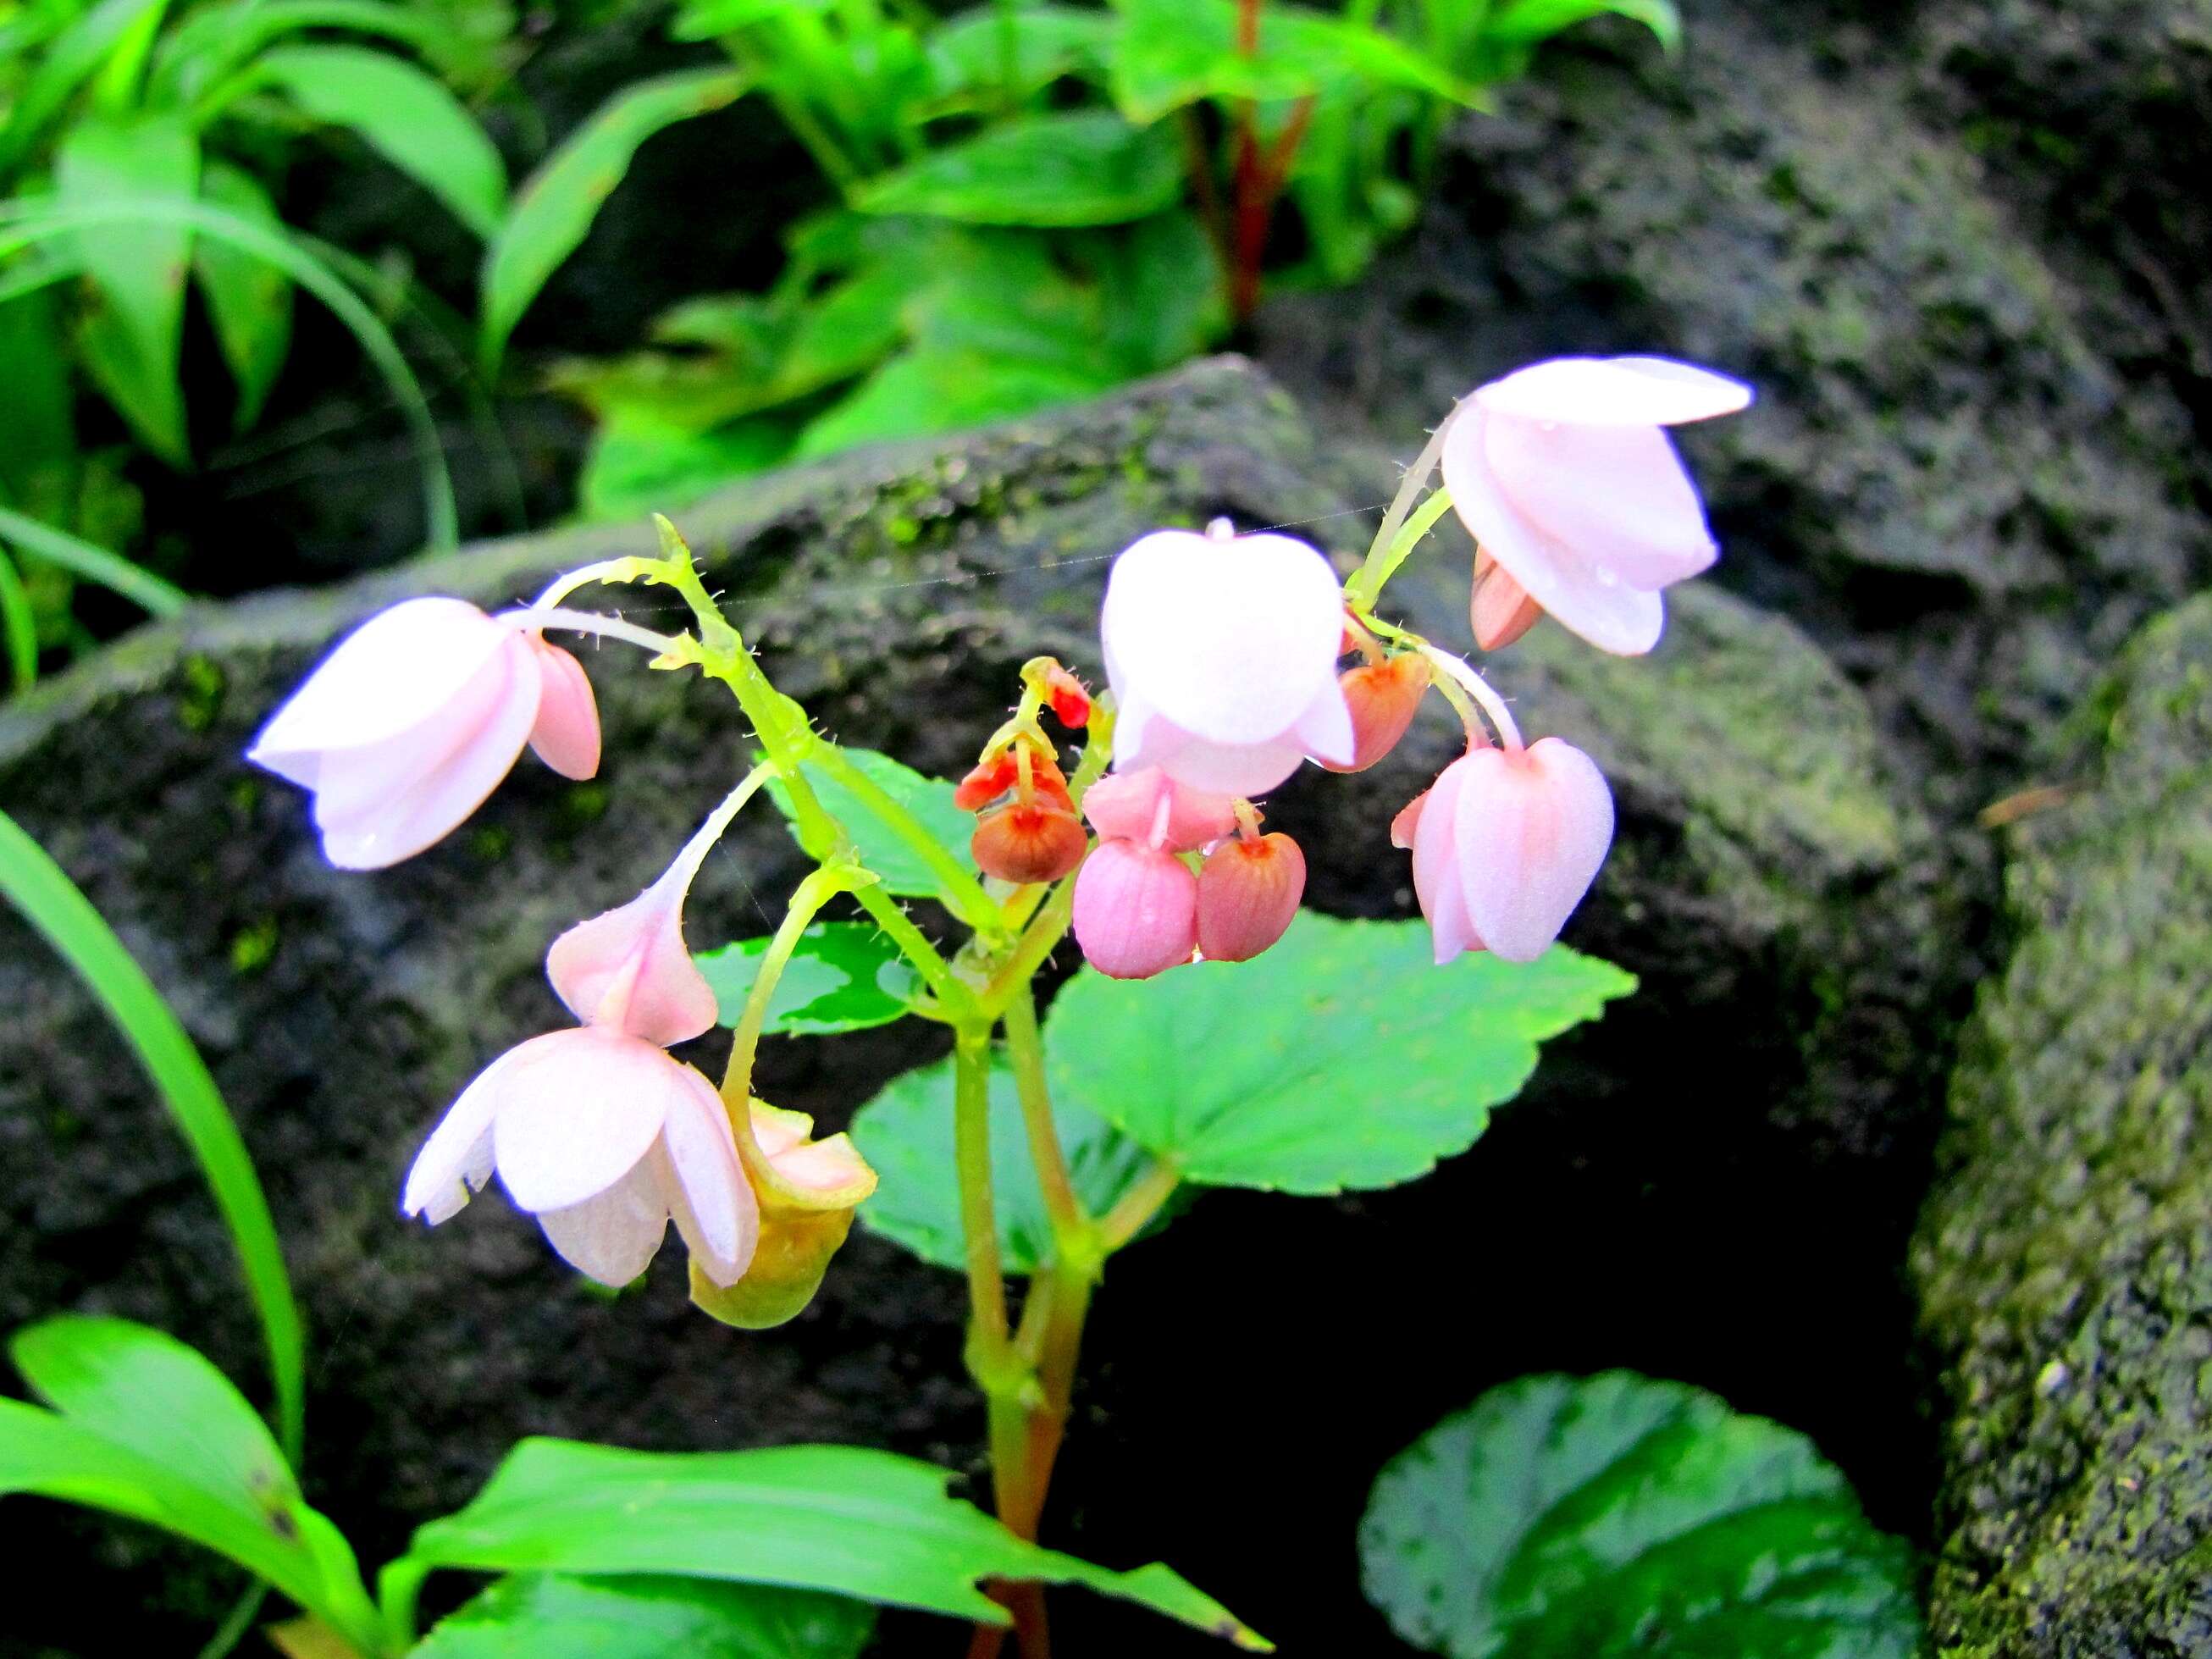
point(2064, 1265)
point(1777, 894)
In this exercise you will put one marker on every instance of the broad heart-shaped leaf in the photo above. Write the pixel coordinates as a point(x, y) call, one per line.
point(845, 1519)
point(1610, 1517)
point(929, 799)
point(906, 1133)
point(146, 1428)
point(403, 115)
point(843, 976)
point(552, 1616)
point(553, 209)
point(1342, 1058)
point(1075, 167)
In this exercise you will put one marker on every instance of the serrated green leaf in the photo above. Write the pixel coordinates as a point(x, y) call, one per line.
point(843, 976)
point(144, 1427)
point(906, 1133)
point(404, 116)
point(552, 1616)
point(249, 301)
point(901, 869)
point(845, 1519)
point(1613, 1517)
point(1075, 167)
point(554, 209)
point(1342, 1058)
point(131, 344)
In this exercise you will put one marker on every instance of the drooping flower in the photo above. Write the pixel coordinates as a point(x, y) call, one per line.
point(1564, 473)
point(1383, 697)
point(1505, 844)
point(1247, 895)
point(1136, 909)
point(1222, 654)
point(407, 726)
point(598, 1132)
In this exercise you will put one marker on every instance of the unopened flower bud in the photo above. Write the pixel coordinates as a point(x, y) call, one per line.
point(990, 778)
point(1029, 841)
point(1384, 696)
point(1148, 806)
point(1000, 774)
point(1248, 893)
point(1070, 701)
point(1500, 609)
point(1136, 910)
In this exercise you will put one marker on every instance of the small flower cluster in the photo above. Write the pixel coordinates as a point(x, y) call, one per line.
point(1222, 654)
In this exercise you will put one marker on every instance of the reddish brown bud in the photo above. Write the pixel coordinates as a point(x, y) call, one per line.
point(1029, 841)
point(1500, 609)
point(991, 778)
point(1383, 697)
point(1070, 702)
point(1248, 892)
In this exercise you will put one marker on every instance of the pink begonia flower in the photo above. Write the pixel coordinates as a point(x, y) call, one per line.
point(598, 1132)
point(1564, 476)
point(1505, 844)
point(1222, 654)
point(1148, 806)
point(1136, 909)
point(412, 721)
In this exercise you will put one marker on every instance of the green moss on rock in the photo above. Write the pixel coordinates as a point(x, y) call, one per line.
point(2064, 1265)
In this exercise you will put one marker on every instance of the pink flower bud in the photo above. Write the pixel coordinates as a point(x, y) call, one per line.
point(1506, 844)
point(1500, 610)
point(1029, 841)
point(1564, 476)
point(1149, 807)
point(1222, 654)
point(1383, 697)
point(1136, 910)
point(1248, 894)
point(416, 717)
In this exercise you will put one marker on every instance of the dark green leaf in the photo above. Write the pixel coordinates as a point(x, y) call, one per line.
point(901, 869)
point(404, 116)
point(549, 1616)
point(132, 343)
point(554, 209)
point(249, 301)
point(1342, 1058)
point(1614, 1517)
point(906, 1133)
point(968, 53)
point(1174, 52)
point(19, 626)
point(145, 1428)
point(843, 976)
point(1077, 168)
point(844, 1519)
point(212, 44)
point(923, 392)
point(1161, 282)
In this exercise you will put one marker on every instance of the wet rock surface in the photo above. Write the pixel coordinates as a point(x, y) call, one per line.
point(2065, 1261)
point(1738, 1145)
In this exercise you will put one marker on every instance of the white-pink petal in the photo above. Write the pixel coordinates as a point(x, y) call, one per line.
point(567, 734)
point(713, 1203)
point(1531, 830)
point(455, 1160)
point(578, 1110)
point(1437, 882)
point(628, 967)
point(1618, 495)
point(613, 1235)
point(1600, 607)
point(1148, 806)
point(1228, 638)
point(1613, 391)
point(1323, 729)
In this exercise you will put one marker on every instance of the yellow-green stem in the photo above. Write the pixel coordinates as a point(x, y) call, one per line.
point(1383, 561)
point(974, 905)
point(989, 1350)
point(816, 890)
point(1025, 1049)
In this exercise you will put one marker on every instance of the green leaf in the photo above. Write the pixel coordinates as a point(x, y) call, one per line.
point(1077, 167)
point(901, 869)
point(845, 1519)
point(934, 390)
point(132, 342)
point(146, 1428)
point(1161, 281)
point(1611, 1517)
point(204, 51)
point(404, 116)
point(19, 625)
point(49, 901)
point(1342, 1058)
point(64, 64)
point(1174, 52)
point(1527, 22)
point(555, 205)
point(550, 1616)
point(249, 301)
point(968, 53)
point(94, 564)
point(906, 1133)
point(639, 465)
point(843, 976)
